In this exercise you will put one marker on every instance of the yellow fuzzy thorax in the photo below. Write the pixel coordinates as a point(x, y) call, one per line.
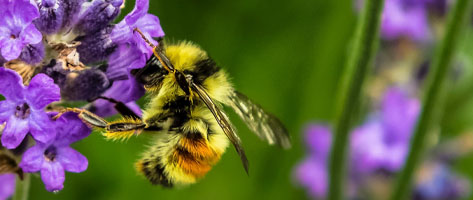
point(184, 56)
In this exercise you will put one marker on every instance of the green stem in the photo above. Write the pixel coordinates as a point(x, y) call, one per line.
point(360, 59)
point(22, 188)
point(432, 102)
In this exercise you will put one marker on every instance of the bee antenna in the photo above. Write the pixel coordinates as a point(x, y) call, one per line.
point(144, 37)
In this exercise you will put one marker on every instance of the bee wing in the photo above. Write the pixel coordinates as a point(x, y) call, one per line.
point(223, 121)
point(264, 124)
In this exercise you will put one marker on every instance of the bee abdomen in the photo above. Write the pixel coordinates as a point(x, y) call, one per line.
point(154, 172)
point(194, 156)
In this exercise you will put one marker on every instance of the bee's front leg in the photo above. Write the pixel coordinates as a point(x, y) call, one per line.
point(86, 116)
point(120, 129)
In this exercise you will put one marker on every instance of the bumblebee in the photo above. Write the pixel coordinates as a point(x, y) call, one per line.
point(187, 90)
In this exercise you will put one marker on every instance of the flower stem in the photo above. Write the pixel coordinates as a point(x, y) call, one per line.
point(432, 105)
point(360, 59)
point(22, 188)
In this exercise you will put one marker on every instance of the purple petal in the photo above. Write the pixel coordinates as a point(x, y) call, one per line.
point(71, 12)
point(368, 150)
point(7, 185)
point(140, 10)
point(399, 114)
point(125, 57)
point(52, 174)
point(12, 85)
point(96, 47)
point(42, 91)
point(125, 91)
point(14, 132)
point(41, 127)
point(401, 19)
point(51, 16)
point(32, 159)
point(319, 140)
point(312, 174)
point(11, 49)
point(150, 24)
point(31, 35)
point(70, 129)
point(98, 14)
point(395, 156)
point(71, 160)
point(142, 45)
point(7, 109)
point(26, 10)
point(121, 33)
point(33, 53)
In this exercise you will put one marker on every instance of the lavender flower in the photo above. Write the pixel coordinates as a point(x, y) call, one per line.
point(131, 53)
point(64, 41)
point(55, 157)
point(97, 15)
point(312, 172)
point(23, 108)
point(384, 142)
point(405, 18)
point(376, 145)
point(438, 181)
point(16, 27)
point(7, 185)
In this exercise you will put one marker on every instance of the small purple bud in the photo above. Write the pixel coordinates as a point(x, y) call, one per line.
point(32, 53)
point(97, 46)
point(55, 70)
point(84, 85)
point(51, 16)
point(78, 85)
point(71, 12)
point(97, 15)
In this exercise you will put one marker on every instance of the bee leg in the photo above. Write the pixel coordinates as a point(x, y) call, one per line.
point(86, 116)
point(121, 129)
point(124, 128)
point(121, 107)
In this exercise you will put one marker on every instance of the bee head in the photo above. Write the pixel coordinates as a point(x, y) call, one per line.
point(152, 74)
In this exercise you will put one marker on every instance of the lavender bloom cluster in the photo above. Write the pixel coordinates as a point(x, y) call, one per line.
point(65, 50)
point(408, 18)
point(379, 145)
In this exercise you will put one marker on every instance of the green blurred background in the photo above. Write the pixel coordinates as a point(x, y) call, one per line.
point(285, 55)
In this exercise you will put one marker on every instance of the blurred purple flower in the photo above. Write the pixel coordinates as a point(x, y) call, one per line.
point(436, 180)
point(22, 109)
point(16, 27)
point(383, 142)
point(312, 172)
point(377, 144)
point(405, 18)
point(7, 185)
point(55, 157)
